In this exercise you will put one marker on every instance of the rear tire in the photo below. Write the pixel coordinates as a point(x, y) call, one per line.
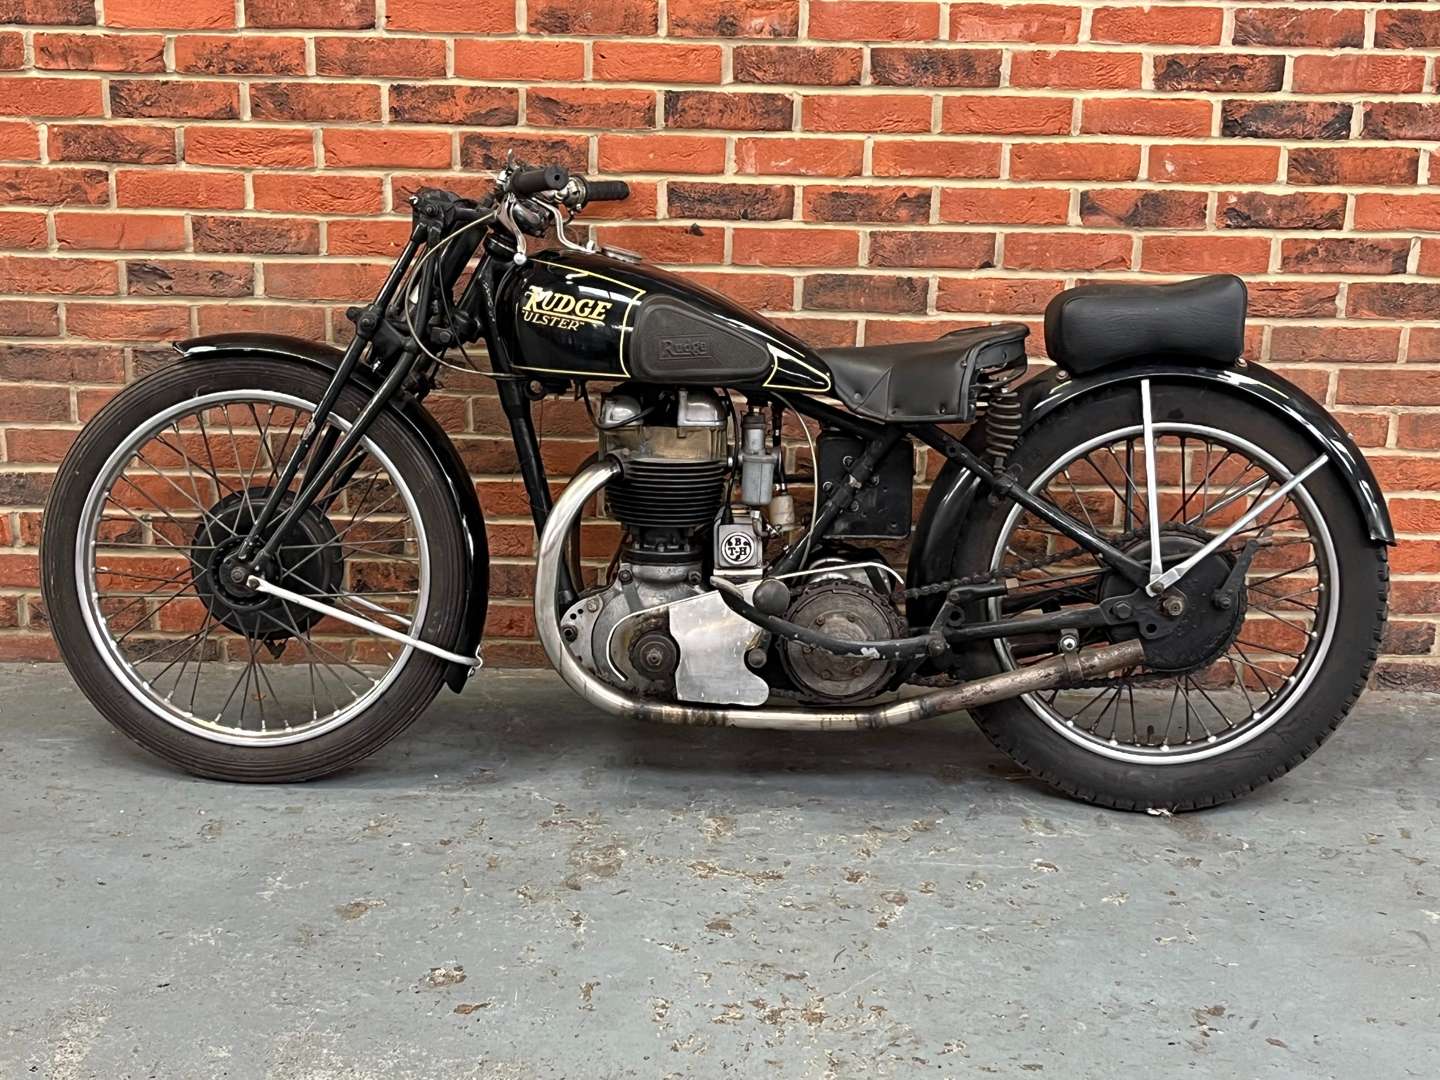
point(1085, 772)
point(143, 716)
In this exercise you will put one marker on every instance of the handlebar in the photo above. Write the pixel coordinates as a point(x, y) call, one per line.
point(534, 181)
point(575, 191)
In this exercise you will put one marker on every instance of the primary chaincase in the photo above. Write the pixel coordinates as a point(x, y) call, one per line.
point(845, 609)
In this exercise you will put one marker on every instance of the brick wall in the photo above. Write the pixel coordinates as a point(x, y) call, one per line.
point(865, 171)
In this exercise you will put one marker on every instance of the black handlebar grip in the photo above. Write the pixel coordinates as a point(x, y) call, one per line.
point(534, 181)
point(606, 190)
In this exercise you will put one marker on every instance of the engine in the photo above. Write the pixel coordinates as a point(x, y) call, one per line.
point(701, 494)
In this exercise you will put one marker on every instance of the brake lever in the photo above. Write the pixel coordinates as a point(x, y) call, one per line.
point(561, 220)
point(506, 216)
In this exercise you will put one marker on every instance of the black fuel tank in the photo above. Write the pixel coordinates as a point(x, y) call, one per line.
point(593, 316)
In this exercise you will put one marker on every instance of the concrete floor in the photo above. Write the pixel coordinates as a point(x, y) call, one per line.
point(520, 887)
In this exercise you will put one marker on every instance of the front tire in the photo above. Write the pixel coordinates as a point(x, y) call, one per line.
point(154, 485)
point(1134, 765)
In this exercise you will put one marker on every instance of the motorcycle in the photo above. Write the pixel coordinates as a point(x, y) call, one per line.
point(1154, 572)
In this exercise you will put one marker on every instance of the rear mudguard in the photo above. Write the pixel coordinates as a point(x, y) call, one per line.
point(449, 466)
point(951, 497)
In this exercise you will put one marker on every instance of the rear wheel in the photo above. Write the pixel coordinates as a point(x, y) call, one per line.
point(158, 491)
point(1268, 685)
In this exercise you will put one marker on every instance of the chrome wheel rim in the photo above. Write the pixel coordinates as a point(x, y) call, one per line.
point(1201, 717)
point(139, 582)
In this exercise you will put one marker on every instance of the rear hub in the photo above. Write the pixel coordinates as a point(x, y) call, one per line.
point(1200, 630)
point(307, 561)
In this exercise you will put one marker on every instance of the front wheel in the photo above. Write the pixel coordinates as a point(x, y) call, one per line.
point(1267, 687)
point(160, 488)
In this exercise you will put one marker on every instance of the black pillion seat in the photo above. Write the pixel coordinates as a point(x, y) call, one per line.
point(1200, 321)
point(923, 381)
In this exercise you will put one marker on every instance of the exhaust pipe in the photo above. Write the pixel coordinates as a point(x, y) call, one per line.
point(1047, 675)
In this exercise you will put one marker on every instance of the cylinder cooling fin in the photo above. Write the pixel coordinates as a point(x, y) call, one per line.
point(668, 494)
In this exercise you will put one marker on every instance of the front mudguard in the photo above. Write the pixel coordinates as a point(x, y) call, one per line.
point(954, 491)
point(449, 465)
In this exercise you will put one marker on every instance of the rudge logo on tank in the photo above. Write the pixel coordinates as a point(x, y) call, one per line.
point(545, 307)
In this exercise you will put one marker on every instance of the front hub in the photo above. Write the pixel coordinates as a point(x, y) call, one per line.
point(1199, 630)
point(308, 560)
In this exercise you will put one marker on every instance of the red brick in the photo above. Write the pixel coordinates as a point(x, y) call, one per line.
point(1205, 254)
point(19, 141)
point(1074, 161)
point(626, 61)
point(1292, 300)
point(628, 17)
point(1372, 73)
point(1066, 251)
point(329, 193)
point(323, 280)
point(131, 144)
point(735, 202)
point(175, 98)
point(303, 322)
point(1401, 29)
point(1285, 119)
point(927, 157)
point(1076, 70)
point(51, 12)
point(292, 101)
point(879, 204)
point(874, 20)
point(363, 148)
point(28, 318)
point(667, 243)
point(100, 52)
point(932, 249)
point(268, 235)
point(120, 232)
point(52, 276)
point(798, 157)
point(522, 60)
point(1393, 300)
point(231, 55)
point(23, 231)
point(1186, 25)
point(42, 96)
point(1214, 163)
point(872, 113)
point(1264, 210)
point(1389, 387)
point(187, 190)
point(189, 15)
point(1390, 212)
point(805, 65)
point(1331, 344)
point(1132, 209)
point(249, 147)
point(189, 277)
point(304, 14)
point(1343, 28)
point(1029, 24)
point(662, 153)
point(865, 292)
point(1344, 255)
point(727, 110)
point(451, 16)
point(1176, 118)
point(734, 19)
point(1228, 71)
point(591, 108)
point(912, 67)
point(487, 151)
point(970, 114)
point(386, 57)
point(127, 322)
point(795, 247)
point(49, 186)
point(1005, 206)
point(366, 237)
point(1354, 166)
point(491, 106)
point(1401, 120)
point(1419, 432)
